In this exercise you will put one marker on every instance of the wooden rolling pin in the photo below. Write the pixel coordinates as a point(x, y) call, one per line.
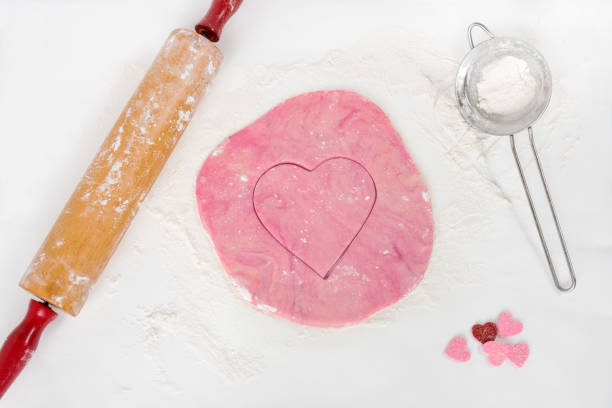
point(96, 217)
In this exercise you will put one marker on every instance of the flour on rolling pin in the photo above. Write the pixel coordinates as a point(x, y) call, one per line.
point(101, 208)
point(105, 201)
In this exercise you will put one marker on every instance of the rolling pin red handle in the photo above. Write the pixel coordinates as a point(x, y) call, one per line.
point(212, 24)
point(22, 342)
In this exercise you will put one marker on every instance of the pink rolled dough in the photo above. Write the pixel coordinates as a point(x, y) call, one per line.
point(271, 265)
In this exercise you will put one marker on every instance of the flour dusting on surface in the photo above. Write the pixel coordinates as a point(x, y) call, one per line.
point(414, 84)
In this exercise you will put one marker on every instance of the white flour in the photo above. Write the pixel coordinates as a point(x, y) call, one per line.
point(507, 87)
point(470, 176)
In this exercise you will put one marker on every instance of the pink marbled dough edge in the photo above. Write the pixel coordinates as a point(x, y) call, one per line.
point(368, 278)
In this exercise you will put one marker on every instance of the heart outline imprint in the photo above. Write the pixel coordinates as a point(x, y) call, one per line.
point(309, 173)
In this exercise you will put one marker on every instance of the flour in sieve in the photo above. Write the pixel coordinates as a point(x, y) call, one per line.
point(507, 87)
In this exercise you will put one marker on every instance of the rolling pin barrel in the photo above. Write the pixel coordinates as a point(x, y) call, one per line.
point(105, 201)
point(92, 223)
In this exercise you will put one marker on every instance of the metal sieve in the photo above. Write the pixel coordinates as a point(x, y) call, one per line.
point(469, 75)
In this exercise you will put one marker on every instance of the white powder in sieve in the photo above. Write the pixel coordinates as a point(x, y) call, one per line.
point(507, 87)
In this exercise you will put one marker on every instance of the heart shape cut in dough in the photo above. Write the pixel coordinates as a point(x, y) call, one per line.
point(315, 214)
point(391, 253)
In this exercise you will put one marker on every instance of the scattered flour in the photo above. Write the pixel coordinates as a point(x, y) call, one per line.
point(470, 176)
point(507, 87)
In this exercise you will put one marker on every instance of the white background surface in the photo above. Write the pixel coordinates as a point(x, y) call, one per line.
point(66, 70)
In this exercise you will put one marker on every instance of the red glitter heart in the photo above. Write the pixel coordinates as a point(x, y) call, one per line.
point(484, 332)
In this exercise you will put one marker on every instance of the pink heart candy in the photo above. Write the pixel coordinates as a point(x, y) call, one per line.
point(497, 351)
point(507, 326)
point(457, 349)
point(518, 354)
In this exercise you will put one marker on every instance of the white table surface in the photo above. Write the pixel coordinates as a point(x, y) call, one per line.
point(66, 70)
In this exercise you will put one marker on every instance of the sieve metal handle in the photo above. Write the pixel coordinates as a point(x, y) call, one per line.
point(482, 27)
point(551, 266)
